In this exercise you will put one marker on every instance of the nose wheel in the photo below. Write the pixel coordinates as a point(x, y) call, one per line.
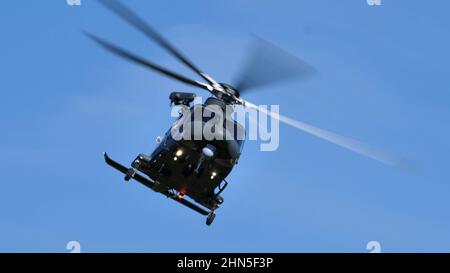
point(210, 218)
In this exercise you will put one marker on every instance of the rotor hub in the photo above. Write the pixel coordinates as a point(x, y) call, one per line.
point(230, 90)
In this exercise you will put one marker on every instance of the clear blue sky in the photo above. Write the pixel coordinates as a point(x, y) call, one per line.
point(383, 80)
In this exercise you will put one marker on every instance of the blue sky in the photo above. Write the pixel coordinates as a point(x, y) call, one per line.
point(383, 80)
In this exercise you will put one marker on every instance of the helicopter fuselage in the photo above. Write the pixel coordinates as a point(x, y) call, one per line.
point(195, 166)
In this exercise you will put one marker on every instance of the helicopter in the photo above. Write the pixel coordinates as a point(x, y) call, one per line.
point(197, 167)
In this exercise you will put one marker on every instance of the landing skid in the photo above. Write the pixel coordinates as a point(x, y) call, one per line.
point(130, 173)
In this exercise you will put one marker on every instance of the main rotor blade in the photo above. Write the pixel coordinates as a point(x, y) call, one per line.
point(139, 60)
point(269, 64)
point(128, 15)
point(342, 141)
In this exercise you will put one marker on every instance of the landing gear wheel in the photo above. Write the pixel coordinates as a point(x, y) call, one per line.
point(210, 218)
point(130, 174)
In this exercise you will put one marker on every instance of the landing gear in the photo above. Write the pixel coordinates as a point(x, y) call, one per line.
point(210, 218)
point(208, 205)
point(130, 174)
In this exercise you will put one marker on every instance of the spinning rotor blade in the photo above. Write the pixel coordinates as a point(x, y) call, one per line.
point(342, 141)
point(128, 15)
point(268, 64)
point(136, 59)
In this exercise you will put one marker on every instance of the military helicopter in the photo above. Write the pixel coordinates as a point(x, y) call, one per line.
point(197, 167)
